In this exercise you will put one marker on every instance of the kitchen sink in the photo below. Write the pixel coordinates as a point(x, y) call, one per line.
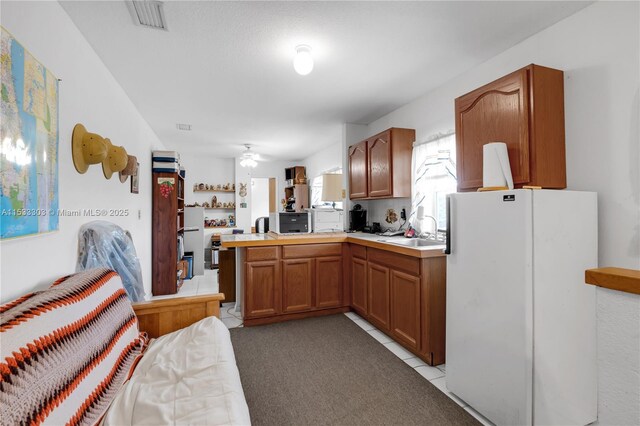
point(414, 242)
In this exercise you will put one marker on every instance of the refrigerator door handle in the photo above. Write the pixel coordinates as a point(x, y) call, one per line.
point(447, 249)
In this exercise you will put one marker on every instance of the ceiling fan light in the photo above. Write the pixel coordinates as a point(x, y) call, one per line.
point(303, 62)
point(248, 162)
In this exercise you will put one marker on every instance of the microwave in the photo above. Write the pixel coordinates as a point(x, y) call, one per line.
point(290, 222)
point(327, 220)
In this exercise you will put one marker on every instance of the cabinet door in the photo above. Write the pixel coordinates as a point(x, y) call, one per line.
point(262, 289)
point(378, 292)
point(297, 285)
point(358, 170)
point(497, 112)
point(359, 285)
point(379, 170)
point(328, 282)
point(405, 308)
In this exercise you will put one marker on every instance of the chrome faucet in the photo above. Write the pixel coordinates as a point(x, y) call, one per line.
point(434, 235)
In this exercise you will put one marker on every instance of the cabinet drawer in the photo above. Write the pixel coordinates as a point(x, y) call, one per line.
point(262, 253)
point(408, 264)
point(359, 251)
point(311, 250)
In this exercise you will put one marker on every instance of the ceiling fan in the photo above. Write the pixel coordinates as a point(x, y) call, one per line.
point(249, 158)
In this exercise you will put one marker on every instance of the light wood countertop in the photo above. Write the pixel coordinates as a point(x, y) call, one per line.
point(367, 240)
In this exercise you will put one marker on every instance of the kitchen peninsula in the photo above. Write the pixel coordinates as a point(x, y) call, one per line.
point(398, 287)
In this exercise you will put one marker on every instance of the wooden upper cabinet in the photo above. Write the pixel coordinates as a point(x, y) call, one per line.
point(379, 173)
point(358, 170)
point(380, 167)
point(525, 110)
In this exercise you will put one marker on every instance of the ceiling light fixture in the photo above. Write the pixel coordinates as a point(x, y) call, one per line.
point(249, 158)
point(303, 62)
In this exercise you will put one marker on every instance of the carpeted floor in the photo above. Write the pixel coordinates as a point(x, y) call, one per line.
point(327, 370)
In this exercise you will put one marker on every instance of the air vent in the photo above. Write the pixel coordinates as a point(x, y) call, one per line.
point(181, 126)
point(148, 13)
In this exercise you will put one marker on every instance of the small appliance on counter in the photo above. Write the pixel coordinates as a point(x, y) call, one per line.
point(357, 218)
point(327, 220)
point(290, 222)
point(262, 225)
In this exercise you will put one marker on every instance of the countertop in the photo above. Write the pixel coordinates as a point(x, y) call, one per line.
point(368, 240)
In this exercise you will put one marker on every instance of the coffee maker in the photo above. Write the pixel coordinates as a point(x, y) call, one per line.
point(357, 218)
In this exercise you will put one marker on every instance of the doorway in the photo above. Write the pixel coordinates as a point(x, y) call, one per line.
point(263, 198)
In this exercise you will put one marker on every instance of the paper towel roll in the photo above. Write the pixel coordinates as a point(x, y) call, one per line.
point(496, 170)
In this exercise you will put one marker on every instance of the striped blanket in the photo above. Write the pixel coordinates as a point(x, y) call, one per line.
point(67, 350)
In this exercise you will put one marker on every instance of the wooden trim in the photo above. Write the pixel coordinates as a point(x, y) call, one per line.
point(160, 317)
point(627, 280)
point(248, 322)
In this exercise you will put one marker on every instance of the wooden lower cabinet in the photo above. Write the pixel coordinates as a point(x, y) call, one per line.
point(292, 282)
point(433, 283)
point(404, 297)
point(405, 308)
point(378, 292)
point(328, 282)
point(263, 295)
point(359, 285)
point(297, 285)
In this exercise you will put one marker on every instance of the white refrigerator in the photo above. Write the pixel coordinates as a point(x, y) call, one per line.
point(521, 323)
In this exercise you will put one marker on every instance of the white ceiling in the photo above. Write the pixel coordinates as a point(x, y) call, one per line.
point(226, 67)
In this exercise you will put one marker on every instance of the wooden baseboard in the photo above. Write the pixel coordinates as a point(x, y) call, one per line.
point(295, 316)
point(160, 317)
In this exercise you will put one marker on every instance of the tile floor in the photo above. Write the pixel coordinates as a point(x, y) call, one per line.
point(436, 375)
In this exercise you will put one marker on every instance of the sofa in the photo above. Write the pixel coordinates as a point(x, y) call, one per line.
point(75, 354)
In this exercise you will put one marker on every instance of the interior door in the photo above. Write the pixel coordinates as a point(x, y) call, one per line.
point(489, 342)
point(379, 169)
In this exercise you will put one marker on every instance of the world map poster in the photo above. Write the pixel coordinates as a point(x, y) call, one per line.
point(29, 143)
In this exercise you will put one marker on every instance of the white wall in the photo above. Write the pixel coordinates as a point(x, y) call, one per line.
point(598, 48)
point(208, 169)
point(326, 159)
point(90, 95)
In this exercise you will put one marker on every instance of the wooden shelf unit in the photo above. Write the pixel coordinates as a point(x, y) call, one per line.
point(215, 190)
point(164, 238)
point(219, 227)
point(298, 191)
